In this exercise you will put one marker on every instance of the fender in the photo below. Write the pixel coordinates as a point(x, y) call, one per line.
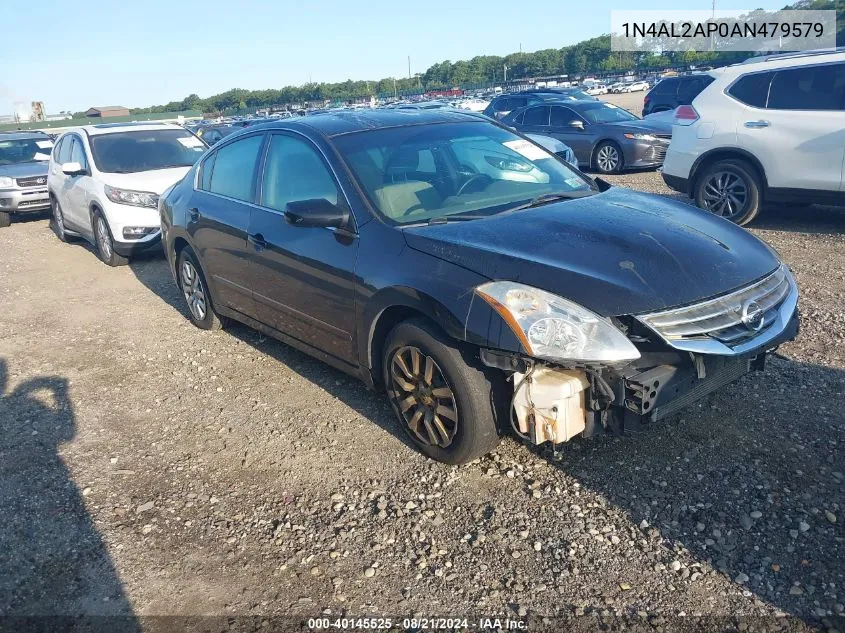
point(726, 151)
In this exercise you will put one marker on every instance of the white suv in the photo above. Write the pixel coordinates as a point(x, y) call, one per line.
point(104, 182)
point(772, 130)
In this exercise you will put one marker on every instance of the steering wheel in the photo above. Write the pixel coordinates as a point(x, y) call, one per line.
point(469, 181)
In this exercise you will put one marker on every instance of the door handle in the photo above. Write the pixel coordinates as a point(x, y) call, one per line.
point(258, 241)
point(757, 124)
point(194, 214)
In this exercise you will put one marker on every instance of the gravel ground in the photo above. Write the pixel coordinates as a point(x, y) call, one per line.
point(148, 468)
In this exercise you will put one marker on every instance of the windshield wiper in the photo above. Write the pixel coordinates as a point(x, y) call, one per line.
point(445, 219)
point(548, 198)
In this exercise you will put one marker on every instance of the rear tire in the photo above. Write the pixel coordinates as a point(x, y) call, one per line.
point(105, 242)
point(194, 288)
point(443, 400)
point(730, 189)
point(607, 158)
point(5, 219)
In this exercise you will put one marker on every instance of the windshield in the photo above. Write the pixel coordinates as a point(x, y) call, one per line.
point(145, 150)
point(25, 150)
point(418, 173)
point(601, 112)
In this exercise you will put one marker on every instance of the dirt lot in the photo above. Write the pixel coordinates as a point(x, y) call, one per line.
point(147, 468)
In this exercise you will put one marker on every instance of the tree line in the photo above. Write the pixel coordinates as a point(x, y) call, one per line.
point(591, 56)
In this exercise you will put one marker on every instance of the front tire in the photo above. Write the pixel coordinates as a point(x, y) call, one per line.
point(57, 221)
point(195, 290)
point(730, 189)
point(105, 242)
point(608, 158)
point(443, 401)
point(5, 219)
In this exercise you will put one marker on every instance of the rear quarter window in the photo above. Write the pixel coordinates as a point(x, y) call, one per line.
point(752, 90)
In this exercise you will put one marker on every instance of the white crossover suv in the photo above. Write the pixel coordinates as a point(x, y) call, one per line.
point(104, 182)
point(768, 130)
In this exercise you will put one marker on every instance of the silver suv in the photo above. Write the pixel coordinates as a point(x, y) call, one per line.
point(23, 174)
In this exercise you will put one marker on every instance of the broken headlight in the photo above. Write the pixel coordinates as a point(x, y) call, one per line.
point(555, 328)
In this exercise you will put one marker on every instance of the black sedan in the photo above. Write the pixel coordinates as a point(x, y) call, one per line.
point(604, 137)
point(482, 283)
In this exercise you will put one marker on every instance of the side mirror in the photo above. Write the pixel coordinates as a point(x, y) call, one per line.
point(72, 169)
point(576, 124)
point(316, 212)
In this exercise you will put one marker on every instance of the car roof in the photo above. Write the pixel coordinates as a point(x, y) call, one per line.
point(22, 135)
point(349, 121)
point(112, 128)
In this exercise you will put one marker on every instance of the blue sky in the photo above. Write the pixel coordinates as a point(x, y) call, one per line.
point(75, 55)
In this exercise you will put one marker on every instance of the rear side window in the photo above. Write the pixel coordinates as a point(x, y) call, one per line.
point(690, 88)
point(752, 89)
point(234, 168)
point(808, 88)
point(536, 116)
point(666, 87)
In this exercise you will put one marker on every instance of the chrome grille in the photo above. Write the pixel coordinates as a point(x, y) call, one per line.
point(32, 181)
point(731, 318)
point(655, 153)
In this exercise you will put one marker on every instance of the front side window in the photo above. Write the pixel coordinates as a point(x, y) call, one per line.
point(538, 115)
point(67, 146)
point(234, 168)
point(480, 170)
point(808, 88)
point(294, 171)
point(29, 150)
point(145, 150)
point(562, 117)
point(752, 89)
point(77, 153)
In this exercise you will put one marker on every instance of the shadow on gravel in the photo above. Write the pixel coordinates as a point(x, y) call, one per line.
point(52, 559)
point(154, 273)
point(817, 220)
point(750, 482)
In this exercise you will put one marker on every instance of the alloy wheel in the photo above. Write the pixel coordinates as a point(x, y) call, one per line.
point(423, 397)
point(607, 158)
point(725, 193)
point(193, 291)
point(103, 238)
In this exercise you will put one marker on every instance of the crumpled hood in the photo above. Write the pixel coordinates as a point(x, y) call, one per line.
point(25, 170)
point(155, 181)
point(618, 252)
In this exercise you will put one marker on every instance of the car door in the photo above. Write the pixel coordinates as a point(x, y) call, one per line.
point(303, 278)
point(799, 136)
point(78, 187)
point(562, 127)
point(218, 219)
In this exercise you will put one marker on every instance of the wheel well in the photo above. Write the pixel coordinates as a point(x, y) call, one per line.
point(179, 245)
point(726, 154)
point(387, 320)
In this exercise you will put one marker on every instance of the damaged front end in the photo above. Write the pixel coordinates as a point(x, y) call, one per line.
point(669, 359)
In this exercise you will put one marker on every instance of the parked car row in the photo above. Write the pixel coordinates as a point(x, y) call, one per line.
point(473, 276)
